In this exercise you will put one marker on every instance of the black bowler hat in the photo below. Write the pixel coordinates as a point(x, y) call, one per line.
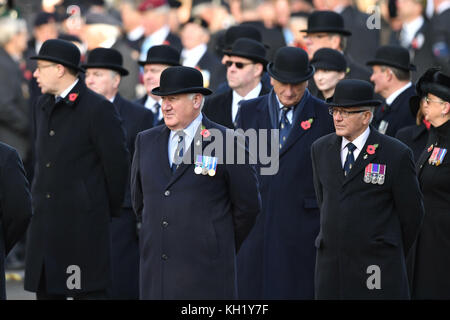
point(290, 65)
point(106, 59)
point(248, 48)
point(44, 18)
point(326, 21)
point(392, 56)
point(60, 51)
point(162, 54)
point(354, 93)
point(198, 21)
point(242, 31)
point(329, 59)
point(176, 80)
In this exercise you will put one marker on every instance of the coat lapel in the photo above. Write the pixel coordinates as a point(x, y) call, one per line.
point(163, 143)
point(423, 158)
point(364, 158)
point(335, 154)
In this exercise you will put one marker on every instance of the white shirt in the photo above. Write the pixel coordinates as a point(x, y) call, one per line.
point(192, 56)
point(289, 115)
point(237, 98)
point(395, 94)
point(442, 7)
point(189, 134)
point(150, 104)
point(66, 92)
point(359, 144)
point(155, 39)
point(136, 33)
point(409, 30)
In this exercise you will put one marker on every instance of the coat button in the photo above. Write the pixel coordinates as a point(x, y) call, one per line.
point(48, 196)
point(48, 164)
point(164, 256)
point(167, 193)
point(51, 133)
point(165, 224)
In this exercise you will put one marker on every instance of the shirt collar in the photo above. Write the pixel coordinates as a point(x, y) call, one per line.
point(190, 130)
point(413, 26)
point(66, 92)
point(108, 43)
point(136, 33)
point(254, 93)
point(396, 93)
point(358, 142)
point(442, 7)
point(160, 35)
point(193, 56)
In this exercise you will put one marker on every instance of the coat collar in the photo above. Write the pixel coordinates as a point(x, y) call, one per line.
point(71, 99)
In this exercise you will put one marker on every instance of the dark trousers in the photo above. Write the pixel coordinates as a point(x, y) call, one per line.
point(42, 294)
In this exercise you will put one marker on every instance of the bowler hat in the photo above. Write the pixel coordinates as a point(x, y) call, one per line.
point(329, 59)
point(44, 18)
point(290, 65)
point(392, 56)
point(179, 79)
point(97, 18)
point(162, 54)
point(242, 31)
point(326, 21)
point(198, 21)
point(354, 93)
point(106, 59)
point(248, 48)
point(60, 51)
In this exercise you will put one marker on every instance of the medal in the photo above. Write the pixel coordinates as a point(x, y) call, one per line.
point(205, 163)
point(198, 165)
point(432, 159)
point(440, 156)
point(212, 168)
point(374, 173)
point(382, 174)
point(367, 173)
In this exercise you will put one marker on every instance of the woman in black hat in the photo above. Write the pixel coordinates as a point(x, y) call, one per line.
point(330, 69)
point(432, 261)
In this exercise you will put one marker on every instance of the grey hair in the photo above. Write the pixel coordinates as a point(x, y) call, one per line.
point(9, 27)
point(371, 110)
point(192, 95)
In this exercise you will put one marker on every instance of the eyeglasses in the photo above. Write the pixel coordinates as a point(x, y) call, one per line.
point(428, 100)
point(46, 66)
point(239, 65)
point(344, 113)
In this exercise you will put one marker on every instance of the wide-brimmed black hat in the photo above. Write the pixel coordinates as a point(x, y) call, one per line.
point(176, 80)
point(329, 59)
point(106, 59)
point(290, 65)
point(326, 21)
point(414, 105)
point(162, 54)
point(248, 48)
point(60, 51)
point(392, 56)
point(354, 93)
point(434, 81)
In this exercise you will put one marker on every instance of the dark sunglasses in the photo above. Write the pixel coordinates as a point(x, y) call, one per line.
point(239, 65)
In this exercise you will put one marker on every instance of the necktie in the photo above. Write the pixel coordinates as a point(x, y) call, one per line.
point(350, 160)
point(58, 99)
point(179, 151)
point(156, 114)
point(285, 126)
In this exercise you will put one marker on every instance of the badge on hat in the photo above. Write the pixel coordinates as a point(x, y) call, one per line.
point(375, 173)
point(205, 165)
point(437, 156)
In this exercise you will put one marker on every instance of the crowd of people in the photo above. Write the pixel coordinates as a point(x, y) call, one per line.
point(116, 181)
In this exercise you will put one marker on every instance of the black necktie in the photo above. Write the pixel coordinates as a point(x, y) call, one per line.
point(156, 114)
point(285, 126)
point(350, 160)
point(179, 151)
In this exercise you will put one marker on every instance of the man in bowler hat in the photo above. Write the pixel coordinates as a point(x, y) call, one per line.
point(194, 217)
point(277, 259)
point(246, 63)
point(370, 203)
point(392, 79)
point(81, 167)
point(104, 72)
point(158, 59)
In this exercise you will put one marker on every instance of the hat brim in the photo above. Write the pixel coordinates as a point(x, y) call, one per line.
point(257, 59)
point(381, 62)
point(59, 61)
point(328, 30)
point(120, 70)
point(158, 92)
point(325, 66)
point(169, 63)
point(289, 77)
point(414, 105)
point(350, 104)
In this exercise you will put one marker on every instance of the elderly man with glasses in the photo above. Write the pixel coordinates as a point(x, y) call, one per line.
point(370, 203)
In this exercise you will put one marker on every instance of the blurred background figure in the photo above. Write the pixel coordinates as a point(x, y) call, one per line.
point(441, 34)
point(330, 67)
point(132, 21)
point(298, 21)
point(194, 37)
point(14, 108)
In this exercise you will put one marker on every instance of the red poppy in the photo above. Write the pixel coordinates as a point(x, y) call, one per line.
point(430, 148)
point(205, 133)
point(167, 43)
point(371, 149)
point(306, 125)
point(73, 97)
